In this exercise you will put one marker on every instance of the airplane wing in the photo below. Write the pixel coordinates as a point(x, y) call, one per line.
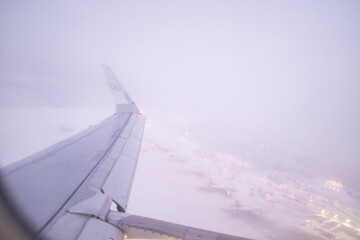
point(66, 191)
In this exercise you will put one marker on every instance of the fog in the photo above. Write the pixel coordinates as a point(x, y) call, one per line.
point(286, 72)
point(279, 76)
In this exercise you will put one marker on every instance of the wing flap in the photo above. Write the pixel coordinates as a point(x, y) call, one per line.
point(96, 229)
point(137, 227)
point(39, 189)
point(119, 182)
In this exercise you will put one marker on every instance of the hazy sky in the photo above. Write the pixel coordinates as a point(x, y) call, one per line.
point(284, 71)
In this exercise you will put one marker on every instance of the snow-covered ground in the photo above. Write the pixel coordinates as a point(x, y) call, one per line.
point(24, 131)
point(181, 181)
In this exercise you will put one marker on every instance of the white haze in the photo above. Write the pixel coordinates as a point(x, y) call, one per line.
point(238, 75)
point(286, 71)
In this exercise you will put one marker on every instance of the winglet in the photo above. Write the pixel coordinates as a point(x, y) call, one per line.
point(117, 89)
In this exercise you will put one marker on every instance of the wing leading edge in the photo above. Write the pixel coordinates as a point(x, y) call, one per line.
point(66, 190)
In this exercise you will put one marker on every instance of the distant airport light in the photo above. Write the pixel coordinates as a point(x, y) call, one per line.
point(187, 133)
point(331, 184)
point(335, 216)
point(348, 220)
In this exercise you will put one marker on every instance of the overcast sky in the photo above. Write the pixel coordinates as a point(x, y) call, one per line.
point(283, 71)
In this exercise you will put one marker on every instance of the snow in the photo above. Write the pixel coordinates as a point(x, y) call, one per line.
point(24, 131)
point(181, 181)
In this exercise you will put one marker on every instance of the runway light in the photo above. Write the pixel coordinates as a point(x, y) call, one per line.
point(348, 220)
point(335, 216)
point(267, 197)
